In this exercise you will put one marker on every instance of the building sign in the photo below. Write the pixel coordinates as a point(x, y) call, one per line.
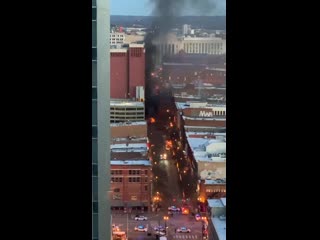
point(205, 114)
point(134, 198)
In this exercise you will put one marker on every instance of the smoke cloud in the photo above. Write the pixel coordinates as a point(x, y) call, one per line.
point(167, 10)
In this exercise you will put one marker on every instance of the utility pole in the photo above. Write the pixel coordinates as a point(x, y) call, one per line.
point(127, 225)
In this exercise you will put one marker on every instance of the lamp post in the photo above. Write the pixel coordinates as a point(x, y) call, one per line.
point(165, 218)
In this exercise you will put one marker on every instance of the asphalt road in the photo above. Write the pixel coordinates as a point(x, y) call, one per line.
point(166, 180)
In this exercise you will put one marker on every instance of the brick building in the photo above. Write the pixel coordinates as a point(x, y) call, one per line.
point(127, 71)
point(198, 69)
point(131, 185)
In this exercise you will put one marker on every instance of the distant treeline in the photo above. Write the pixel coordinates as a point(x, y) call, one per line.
point(207, 22)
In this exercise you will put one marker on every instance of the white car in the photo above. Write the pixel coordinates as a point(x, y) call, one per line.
point(161, 233)
point(174, 209)
point(183, 230)
point(141, 228)
point(158, 228)
point(140, 218)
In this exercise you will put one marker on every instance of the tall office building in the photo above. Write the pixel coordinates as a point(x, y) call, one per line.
point(101, 222)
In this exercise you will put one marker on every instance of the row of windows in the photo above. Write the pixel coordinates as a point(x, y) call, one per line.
point(137, 117)
point(127, 113)
point(130, 179)
point(126, 109)
point(215, 190)
point(219, 113)
point(134, 179)
point(116, 172)
point(118, 54)
point(133, 172)
point(135, 52)
point(116, 179)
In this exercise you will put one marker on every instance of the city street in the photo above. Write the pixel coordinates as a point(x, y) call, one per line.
point(172, 186)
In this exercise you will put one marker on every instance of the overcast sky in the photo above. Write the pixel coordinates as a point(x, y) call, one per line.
point(144, 8)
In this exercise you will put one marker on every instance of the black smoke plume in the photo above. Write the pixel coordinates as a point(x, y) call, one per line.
point(165, 12)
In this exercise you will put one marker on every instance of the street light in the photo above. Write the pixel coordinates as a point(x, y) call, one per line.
point(165, 218)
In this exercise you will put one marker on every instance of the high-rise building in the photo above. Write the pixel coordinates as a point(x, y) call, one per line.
point(128, 72)
point(101, 221)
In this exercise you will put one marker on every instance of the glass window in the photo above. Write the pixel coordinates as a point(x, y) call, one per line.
point(94, 2)
point(94, 112)
point(94, 53)
point(95, 225)
point(94, 13)
point(146, 172)
point(94, 170)
point(94, 151)
point(146, 179)
point(95, 188)
point(94, 132)
point(146, 188)
point(94, 33)
point(94, 93)
point(95, 207)
point(94, 73)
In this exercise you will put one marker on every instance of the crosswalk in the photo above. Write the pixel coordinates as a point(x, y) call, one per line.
point(183, 236)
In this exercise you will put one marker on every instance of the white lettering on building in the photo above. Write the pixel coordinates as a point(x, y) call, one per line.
point(205, 114)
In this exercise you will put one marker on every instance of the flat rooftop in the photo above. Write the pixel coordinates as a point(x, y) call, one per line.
point(220, 226)
point(215, 203)
point(114, 103)
point(129, 145)
point(138, 123)
point(130, 162)
point(214, 181)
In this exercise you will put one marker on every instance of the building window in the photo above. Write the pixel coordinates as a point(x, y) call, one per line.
point(94, 112)
point(94, 93)
point(94, 13)
point(94, 73)
point(130, 179)
point(95, 224)
point(146, 188)
point(94, 151)
point(95, 207)
point(94, 170)
point(95, 188)
point(94, 53)
point(94, 132)
point(94, 33)
point(146, 172)
point(145, 179)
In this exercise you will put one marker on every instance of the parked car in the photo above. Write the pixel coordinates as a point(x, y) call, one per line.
point(140, 218)
point(160, 233)
point(157, 228)
point(183, 230)
point(174, 209)
point(140, 228)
